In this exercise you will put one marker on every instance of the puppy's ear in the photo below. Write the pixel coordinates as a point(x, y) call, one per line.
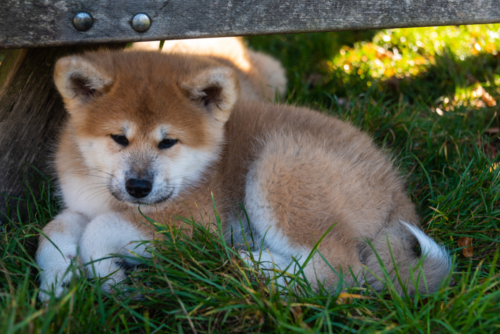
point(214, 89)
point(79, 80)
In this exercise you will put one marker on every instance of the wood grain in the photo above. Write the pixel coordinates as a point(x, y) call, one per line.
point(49, 23)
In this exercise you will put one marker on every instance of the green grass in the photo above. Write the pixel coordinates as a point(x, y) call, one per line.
point(423, 106)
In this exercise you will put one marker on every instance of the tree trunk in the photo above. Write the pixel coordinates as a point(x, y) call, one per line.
point(31, 112)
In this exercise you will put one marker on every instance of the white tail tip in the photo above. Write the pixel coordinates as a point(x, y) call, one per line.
point(429, 247)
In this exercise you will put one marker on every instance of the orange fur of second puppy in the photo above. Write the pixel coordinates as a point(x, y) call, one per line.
point(261, 77)
point(169, 130)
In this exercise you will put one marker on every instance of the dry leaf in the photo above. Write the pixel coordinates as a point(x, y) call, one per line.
point(488, 99)
point(492, 130)
point(296, 311)
point(346, 297)
point(383, 53)
point(494, 166)
point(467, 243)
point(484, 95)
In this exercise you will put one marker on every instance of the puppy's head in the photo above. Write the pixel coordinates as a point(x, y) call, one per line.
point(150, 123)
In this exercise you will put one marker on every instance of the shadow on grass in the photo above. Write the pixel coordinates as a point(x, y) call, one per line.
point(304, 55)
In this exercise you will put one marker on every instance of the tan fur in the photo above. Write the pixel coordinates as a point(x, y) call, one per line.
point(260, 75)
point(309, 170)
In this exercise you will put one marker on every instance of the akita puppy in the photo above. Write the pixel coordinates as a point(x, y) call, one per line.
point(168, 131)
point(261, 77)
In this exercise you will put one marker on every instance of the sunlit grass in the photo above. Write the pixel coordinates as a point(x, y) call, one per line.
point(407, 52)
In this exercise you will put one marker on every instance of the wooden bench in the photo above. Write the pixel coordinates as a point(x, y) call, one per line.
point(40, 31)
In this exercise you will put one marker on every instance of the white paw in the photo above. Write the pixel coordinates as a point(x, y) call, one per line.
point(56, 274)
point(104, 237)
point(108, 269)
point(57, 252)
point(247, 258)
point(267, 264)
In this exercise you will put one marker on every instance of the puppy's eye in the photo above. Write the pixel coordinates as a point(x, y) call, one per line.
point(120, 139)
point(167, 143)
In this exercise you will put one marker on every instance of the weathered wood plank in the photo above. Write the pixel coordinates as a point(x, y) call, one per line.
point(49, 23)
point(31, 112)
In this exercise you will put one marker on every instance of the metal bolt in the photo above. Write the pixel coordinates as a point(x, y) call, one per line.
point(82, 21)
point(141, 22)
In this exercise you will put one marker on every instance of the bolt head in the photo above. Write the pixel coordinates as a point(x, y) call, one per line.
point(82, 21)
point(141, 22)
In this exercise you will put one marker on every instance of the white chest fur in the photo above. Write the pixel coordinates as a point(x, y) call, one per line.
point(87, 195)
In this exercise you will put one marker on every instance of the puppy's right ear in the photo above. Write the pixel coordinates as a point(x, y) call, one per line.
point(79, 81)
point(215, 89)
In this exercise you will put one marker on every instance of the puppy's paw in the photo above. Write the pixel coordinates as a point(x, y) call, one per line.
point(249, 258)
point(57, 253)
point(255, 259)
point(57, 268)
point(268, 265)
point(109, 270)
point(55, 278)
point(55, 286)
point(105, 237)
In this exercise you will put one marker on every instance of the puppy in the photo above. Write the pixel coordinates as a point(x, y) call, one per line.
point(261, 77)
point(167, 130)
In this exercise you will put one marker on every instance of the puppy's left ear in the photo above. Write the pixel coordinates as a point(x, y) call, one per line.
point(214, 89)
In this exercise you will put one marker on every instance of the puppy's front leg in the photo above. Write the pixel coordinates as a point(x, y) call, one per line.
point(105, 236)
point(56, 249)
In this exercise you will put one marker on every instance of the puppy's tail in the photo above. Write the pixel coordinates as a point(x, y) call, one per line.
point(394, 247)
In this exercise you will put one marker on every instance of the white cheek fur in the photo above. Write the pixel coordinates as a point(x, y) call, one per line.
point(88, 192)
point(183, 172)
point(189, 167)
point(97, 154)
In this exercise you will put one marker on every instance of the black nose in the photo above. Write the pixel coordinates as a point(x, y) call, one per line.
point(138, 188)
